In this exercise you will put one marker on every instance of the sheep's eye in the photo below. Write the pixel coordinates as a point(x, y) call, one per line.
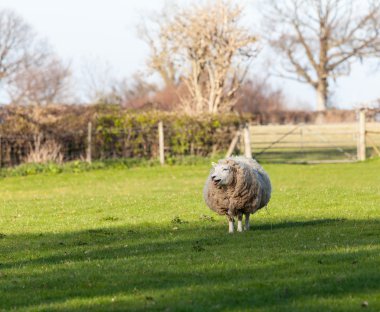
point(225, 169)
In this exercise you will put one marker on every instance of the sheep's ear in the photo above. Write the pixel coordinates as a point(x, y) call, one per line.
point(213, 164)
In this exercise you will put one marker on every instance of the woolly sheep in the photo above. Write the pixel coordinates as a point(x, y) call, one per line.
point(237, 186)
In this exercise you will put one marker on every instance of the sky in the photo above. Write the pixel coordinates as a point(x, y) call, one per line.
point(104, 32)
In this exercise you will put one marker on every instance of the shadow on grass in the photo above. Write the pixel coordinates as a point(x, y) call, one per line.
point(294, 224)
point(194, 266)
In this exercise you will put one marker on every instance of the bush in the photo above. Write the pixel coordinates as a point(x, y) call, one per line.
point(136, 134)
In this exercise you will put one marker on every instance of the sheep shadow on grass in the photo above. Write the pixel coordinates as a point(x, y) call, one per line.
point(193, 266)
point(297, 224)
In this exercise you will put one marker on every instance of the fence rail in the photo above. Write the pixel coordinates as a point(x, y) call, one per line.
point(313, 143)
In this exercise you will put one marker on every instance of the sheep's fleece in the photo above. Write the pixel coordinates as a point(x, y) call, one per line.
point(236, 186)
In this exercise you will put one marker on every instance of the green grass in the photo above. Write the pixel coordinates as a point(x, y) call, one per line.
point(142, 239)
point(282, 155)
point(77, 166)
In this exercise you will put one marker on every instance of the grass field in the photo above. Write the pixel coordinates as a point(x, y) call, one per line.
point(142, 239)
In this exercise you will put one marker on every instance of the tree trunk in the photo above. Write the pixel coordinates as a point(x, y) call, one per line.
point(322, 95)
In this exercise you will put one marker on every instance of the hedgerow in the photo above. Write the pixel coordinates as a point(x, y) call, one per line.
point(117, 133)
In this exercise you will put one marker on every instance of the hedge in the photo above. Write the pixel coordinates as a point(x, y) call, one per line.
point(117, 133)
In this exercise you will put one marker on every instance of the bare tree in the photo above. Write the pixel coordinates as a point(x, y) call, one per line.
point(257, 95)
point(204, 47)
point(320, 39)
point(41, 83)
point(98, 81)
point(102, 86)
point(161, 59)
point(29, 70)
point(16, 39)
point(135, 91)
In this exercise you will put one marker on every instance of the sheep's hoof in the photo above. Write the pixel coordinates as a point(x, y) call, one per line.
point(240, 230)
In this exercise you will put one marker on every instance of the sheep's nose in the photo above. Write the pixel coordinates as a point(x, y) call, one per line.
point(213, 177)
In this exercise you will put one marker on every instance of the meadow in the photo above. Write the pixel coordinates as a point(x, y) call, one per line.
point(142, 239)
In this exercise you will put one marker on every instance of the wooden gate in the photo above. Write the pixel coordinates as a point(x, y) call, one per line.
point(312, 143)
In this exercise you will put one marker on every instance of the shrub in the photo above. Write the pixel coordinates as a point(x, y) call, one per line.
point(136, 134)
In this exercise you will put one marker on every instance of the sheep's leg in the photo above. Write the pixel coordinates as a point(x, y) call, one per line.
point(230, 224)
point(247, 226)
point(240, 222)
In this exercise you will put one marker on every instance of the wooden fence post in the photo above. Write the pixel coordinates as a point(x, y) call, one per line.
point(89, 143)
point(247, 141)
point(362, 136)
point(161, 142)
point(302, 141)
point(233, 144)
point(1, 153)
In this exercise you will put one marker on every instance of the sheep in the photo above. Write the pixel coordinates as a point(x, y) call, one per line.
point(237, 186)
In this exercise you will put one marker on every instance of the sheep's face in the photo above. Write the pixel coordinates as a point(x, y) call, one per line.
point(222, 174)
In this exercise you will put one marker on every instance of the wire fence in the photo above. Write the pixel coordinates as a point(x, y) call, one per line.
point(271, 143)
point(109, 143)
point(14, 149)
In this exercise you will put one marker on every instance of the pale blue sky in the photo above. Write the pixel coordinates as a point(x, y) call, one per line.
point(106, 31)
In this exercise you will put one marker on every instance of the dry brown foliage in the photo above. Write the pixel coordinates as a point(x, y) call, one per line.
point(45, 152)
point(257, 96)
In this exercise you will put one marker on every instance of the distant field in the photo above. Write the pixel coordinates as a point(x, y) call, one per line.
point(142, 239)
point(311, 142)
